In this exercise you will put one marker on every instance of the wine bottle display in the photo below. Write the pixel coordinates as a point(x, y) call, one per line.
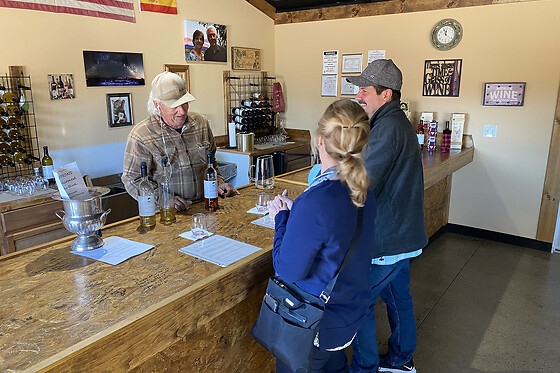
point(47, 164)
point(146, 201)
point(211, 185)
point(5, 148)
point(6, 161)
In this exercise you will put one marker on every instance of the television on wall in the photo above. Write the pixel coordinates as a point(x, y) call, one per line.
point(113, 69)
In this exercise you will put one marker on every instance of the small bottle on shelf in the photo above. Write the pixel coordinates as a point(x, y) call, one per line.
point(146, 202)
point(420, 134)
point(211, 184)
point(47, 164)
point(446, 139)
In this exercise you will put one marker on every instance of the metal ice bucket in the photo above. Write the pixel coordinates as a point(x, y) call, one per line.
point(84, 218)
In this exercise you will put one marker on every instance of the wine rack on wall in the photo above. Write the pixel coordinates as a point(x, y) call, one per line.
point(244, 88)
point(19, 145)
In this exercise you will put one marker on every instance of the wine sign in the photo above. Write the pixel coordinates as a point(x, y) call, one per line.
point(70, 183)
point(442, 78)
point(504, 94)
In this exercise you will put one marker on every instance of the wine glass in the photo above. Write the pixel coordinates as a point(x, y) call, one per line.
point(198, 225)
point(261, 202)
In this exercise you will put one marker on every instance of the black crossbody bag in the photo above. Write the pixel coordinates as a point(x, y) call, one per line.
point(289, 318)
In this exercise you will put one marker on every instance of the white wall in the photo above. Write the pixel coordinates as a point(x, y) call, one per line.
point(501, 190)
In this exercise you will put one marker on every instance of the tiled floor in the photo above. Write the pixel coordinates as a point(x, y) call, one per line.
point(483, 306)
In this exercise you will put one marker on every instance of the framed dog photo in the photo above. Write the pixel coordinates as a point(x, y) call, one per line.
point(119, 109)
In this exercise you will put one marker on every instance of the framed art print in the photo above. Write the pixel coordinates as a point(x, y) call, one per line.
point(182, 71)
point(119, 109)
point(245, 58)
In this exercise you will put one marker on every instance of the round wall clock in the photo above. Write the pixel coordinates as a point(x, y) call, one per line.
point(446, 34)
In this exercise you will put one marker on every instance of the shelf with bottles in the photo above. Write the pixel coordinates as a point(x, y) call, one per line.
point(248, 102)
point(19, 145)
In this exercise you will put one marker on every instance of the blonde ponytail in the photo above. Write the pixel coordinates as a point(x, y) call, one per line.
point(345, 128)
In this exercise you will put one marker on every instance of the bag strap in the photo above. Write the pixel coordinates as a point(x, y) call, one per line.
point(326, 294)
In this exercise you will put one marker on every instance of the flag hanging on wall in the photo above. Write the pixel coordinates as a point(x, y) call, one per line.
point(159, 6)
point(122, 10)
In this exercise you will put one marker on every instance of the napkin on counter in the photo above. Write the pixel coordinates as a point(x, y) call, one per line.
point(254, 210)
point(190, 236)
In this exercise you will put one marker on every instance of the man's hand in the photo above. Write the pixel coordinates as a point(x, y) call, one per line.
point(227, 190)
point(181, 204)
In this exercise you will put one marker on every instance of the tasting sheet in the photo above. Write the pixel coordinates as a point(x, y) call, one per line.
point(264, 222)
point(115, 250)
point(219, 250)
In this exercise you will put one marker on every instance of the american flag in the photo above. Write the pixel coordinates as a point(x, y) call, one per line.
point(122, 10)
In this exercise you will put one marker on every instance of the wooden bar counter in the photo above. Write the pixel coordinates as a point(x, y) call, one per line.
point(161, 310)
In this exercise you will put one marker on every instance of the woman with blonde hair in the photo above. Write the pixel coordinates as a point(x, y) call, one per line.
point(313, 233)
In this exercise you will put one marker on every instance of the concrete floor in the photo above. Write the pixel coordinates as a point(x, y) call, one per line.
point(483, 306)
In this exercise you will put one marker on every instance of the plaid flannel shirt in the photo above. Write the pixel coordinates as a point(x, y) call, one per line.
point(149, 142)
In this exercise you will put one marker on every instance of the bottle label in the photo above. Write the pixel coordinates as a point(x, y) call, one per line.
point(146, 206)
point(420, 138)
point(210, 189)
point(48, 172)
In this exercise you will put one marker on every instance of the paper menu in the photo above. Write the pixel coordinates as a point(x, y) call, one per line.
point(220, 250)
point(70, 182)
point(115, 250)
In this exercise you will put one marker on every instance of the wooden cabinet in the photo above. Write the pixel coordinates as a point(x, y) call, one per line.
point(31, 225)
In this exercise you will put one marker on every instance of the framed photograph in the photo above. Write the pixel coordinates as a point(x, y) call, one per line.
point(113, 69)
point(61, 86)
point(347, 88)
point(504, 94)
point(442, 78)
point(182, 71)
point(245, 58)
point(352, 63)
point(205, 41)
point(119, 109)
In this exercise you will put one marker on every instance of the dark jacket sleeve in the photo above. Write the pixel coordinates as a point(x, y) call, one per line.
point(297, 239)
point(380, 155)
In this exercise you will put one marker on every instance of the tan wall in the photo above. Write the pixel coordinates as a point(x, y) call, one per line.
point(50, 43)
point(501, 189)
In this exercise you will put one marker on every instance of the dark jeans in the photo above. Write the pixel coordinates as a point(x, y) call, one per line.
point(392, 284)
point(322, 362)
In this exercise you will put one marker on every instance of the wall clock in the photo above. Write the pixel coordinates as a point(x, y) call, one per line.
point(446, 34)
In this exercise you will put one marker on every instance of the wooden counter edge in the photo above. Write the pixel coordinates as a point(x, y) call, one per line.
point(447, 167)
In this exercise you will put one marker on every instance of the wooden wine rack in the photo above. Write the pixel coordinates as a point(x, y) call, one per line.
point(21, 84)
point(240, 86)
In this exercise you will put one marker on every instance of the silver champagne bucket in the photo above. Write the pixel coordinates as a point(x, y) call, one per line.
point(84, 218)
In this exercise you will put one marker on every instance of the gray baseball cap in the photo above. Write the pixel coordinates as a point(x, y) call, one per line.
point(379, 72)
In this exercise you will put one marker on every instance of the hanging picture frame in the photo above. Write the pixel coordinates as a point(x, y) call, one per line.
point(245, 58)
point(119, 109)
point(61, 86)
point(182, 71)
point(504, 94)
point(442, 78)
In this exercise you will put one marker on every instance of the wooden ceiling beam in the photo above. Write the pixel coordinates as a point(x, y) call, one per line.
point(264, 7)
point(378, 8)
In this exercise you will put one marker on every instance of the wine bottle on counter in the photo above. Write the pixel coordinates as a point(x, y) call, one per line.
point(211, 185)
point(421, 135)
point(166, 201)
point(146, 201)
point(47, 165)
point(446, 139)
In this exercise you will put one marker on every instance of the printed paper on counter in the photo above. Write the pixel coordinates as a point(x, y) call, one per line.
point(220, 250)
point(264, 222)
point(115, 250)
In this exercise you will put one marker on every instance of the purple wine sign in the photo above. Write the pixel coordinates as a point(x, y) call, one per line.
point(442, 78)
point(504, 94)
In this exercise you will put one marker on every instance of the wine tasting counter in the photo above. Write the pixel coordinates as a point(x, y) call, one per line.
point(161, 310)
point(438, 170)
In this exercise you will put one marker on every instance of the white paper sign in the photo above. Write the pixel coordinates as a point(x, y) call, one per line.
point(457, 125)
point(329, 85)
point(330, 62)
point(347, 88)
point(375, 54)
point(220, 250)
point(115, 250)
point(70, 182)
point(352, 63)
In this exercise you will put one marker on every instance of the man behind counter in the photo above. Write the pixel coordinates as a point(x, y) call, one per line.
point(171, 131)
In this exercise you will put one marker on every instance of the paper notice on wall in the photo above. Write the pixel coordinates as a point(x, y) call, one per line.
point(70, 182)
point(375, 54)
point(329, 85)
point(457, 126)
point(330, 62)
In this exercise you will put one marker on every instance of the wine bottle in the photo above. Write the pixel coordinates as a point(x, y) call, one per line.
point(167, 205)
point(420, 134)
point(9, 97)
point(5, 148)
point(146, 201)
point(21, 158)
point(47, 164)
point(211, 185)
point(15, 122)
point(3, 124)
point(16, 146)
point(446, 139)
point(14, 135)
point(6, 161)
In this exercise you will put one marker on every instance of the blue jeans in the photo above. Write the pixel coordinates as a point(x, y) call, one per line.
point(391, 283)
point(322, 362)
